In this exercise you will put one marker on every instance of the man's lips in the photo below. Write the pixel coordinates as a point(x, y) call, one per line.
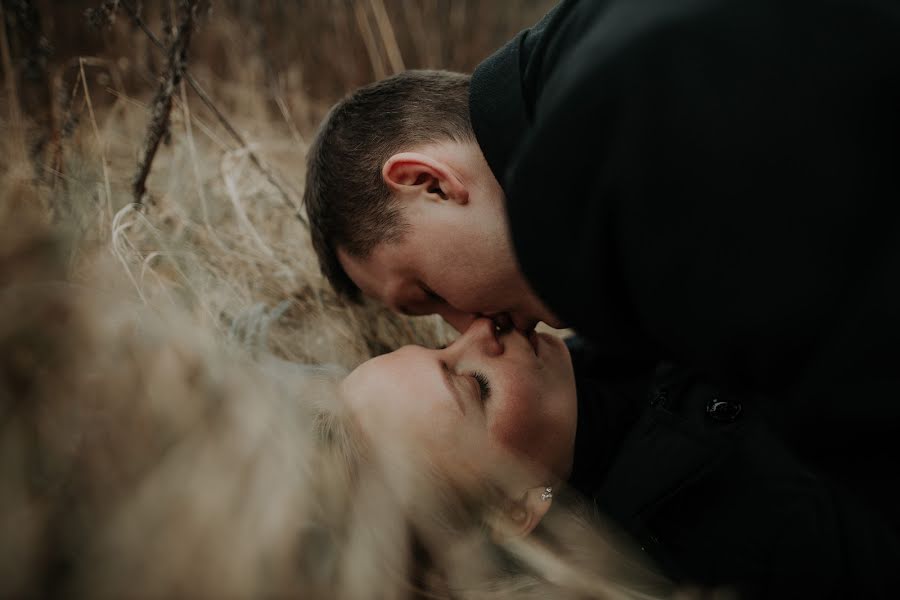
point(523, 323)
point(534, 340)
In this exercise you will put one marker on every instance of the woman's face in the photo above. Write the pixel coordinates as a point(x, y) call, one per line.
point(485, 392)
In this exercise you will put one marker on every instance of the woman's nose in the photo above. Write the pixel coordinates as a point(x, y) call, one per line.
point(482, 334)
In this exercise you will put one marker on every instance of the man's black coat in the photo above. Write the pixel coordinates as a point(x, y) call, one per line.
point(717, 183)
point(702, 484)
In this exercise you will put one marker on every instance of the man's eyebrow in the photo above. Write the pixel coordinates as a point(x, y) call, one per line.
point(451, 387)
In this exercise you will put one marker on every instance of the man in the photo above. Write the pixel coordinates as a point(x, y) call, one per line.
point(395, 168)
point(710, 182)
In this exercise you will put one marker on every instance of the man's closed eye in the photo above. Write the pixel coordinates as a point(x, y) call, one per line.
point(432, 297)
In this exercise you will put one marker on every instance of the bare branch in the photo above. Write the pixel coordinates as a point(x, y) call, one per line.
point(162, 104)
point(104, 16)
point(204, 97)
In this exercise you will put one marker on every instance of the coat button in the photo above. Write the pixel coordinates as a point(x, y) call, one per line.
point(723, 411)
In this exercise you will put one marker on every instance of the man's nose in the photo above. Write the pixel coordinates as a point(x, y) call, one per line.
point(459, 320)
point(524, 324)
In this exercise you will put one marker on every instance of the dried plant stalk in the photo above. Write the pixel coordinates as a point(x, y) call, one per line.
point(204, 97)
point(388, 38)
point(368, 37)
point(162, 104)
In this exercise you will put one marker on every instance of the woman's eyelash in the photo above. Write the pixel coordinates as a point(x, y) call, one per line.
point(484, 385)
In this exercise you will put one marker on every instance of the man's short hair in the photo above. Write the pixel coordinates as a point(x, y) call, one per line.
point(348, 203)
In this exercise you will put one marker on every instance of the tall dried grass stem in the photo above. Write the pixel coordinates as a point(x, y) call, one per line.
point(292, 125)
point(195, 120)
point(100, 63)
point(119, 244)
point(208, 131)
point(195, 169)
point(230, 178)
point(66, 102)
point(147, 268)
point(368, 37)
point(388, 38)
point(100, 146)
point(62, 109)
point(168, 254)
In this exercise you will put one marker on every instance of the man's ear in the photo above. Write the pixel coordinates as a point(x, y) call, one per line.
point(522, 516)
point(412, 171)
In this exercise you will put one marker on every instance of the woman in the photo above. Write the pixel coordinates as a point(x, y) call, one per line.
point(696, 476)
point(467, 405)
point(472, 442)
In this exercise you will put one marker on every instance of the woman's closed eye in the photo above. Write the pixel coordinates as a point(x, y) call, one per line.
point(484, 386)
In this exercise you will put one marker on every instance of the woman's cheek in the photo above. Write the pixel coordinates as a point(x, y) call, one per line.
point(516, 422)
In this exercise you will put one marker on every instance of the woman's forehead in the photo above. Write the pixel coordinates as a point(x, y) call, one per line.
point(406, 385)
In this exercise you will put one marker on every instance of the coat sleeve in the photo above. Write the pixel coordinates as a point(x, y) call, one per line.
point(716, 181)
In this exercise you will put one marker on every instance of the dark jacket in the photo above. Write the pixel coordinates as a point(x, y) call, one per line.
point(716, 183)
point(712, 495)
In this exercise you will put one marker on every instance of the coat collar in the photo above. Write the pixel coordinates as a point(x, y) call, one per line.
point(502, 91)
point(497, 107)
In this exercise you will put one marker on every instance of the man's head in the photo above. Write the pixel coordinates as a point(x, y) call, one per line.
point(404, 208)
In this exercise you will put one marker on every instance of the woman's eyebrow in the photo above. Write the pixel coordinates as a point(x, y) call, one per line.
point(451, 387)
